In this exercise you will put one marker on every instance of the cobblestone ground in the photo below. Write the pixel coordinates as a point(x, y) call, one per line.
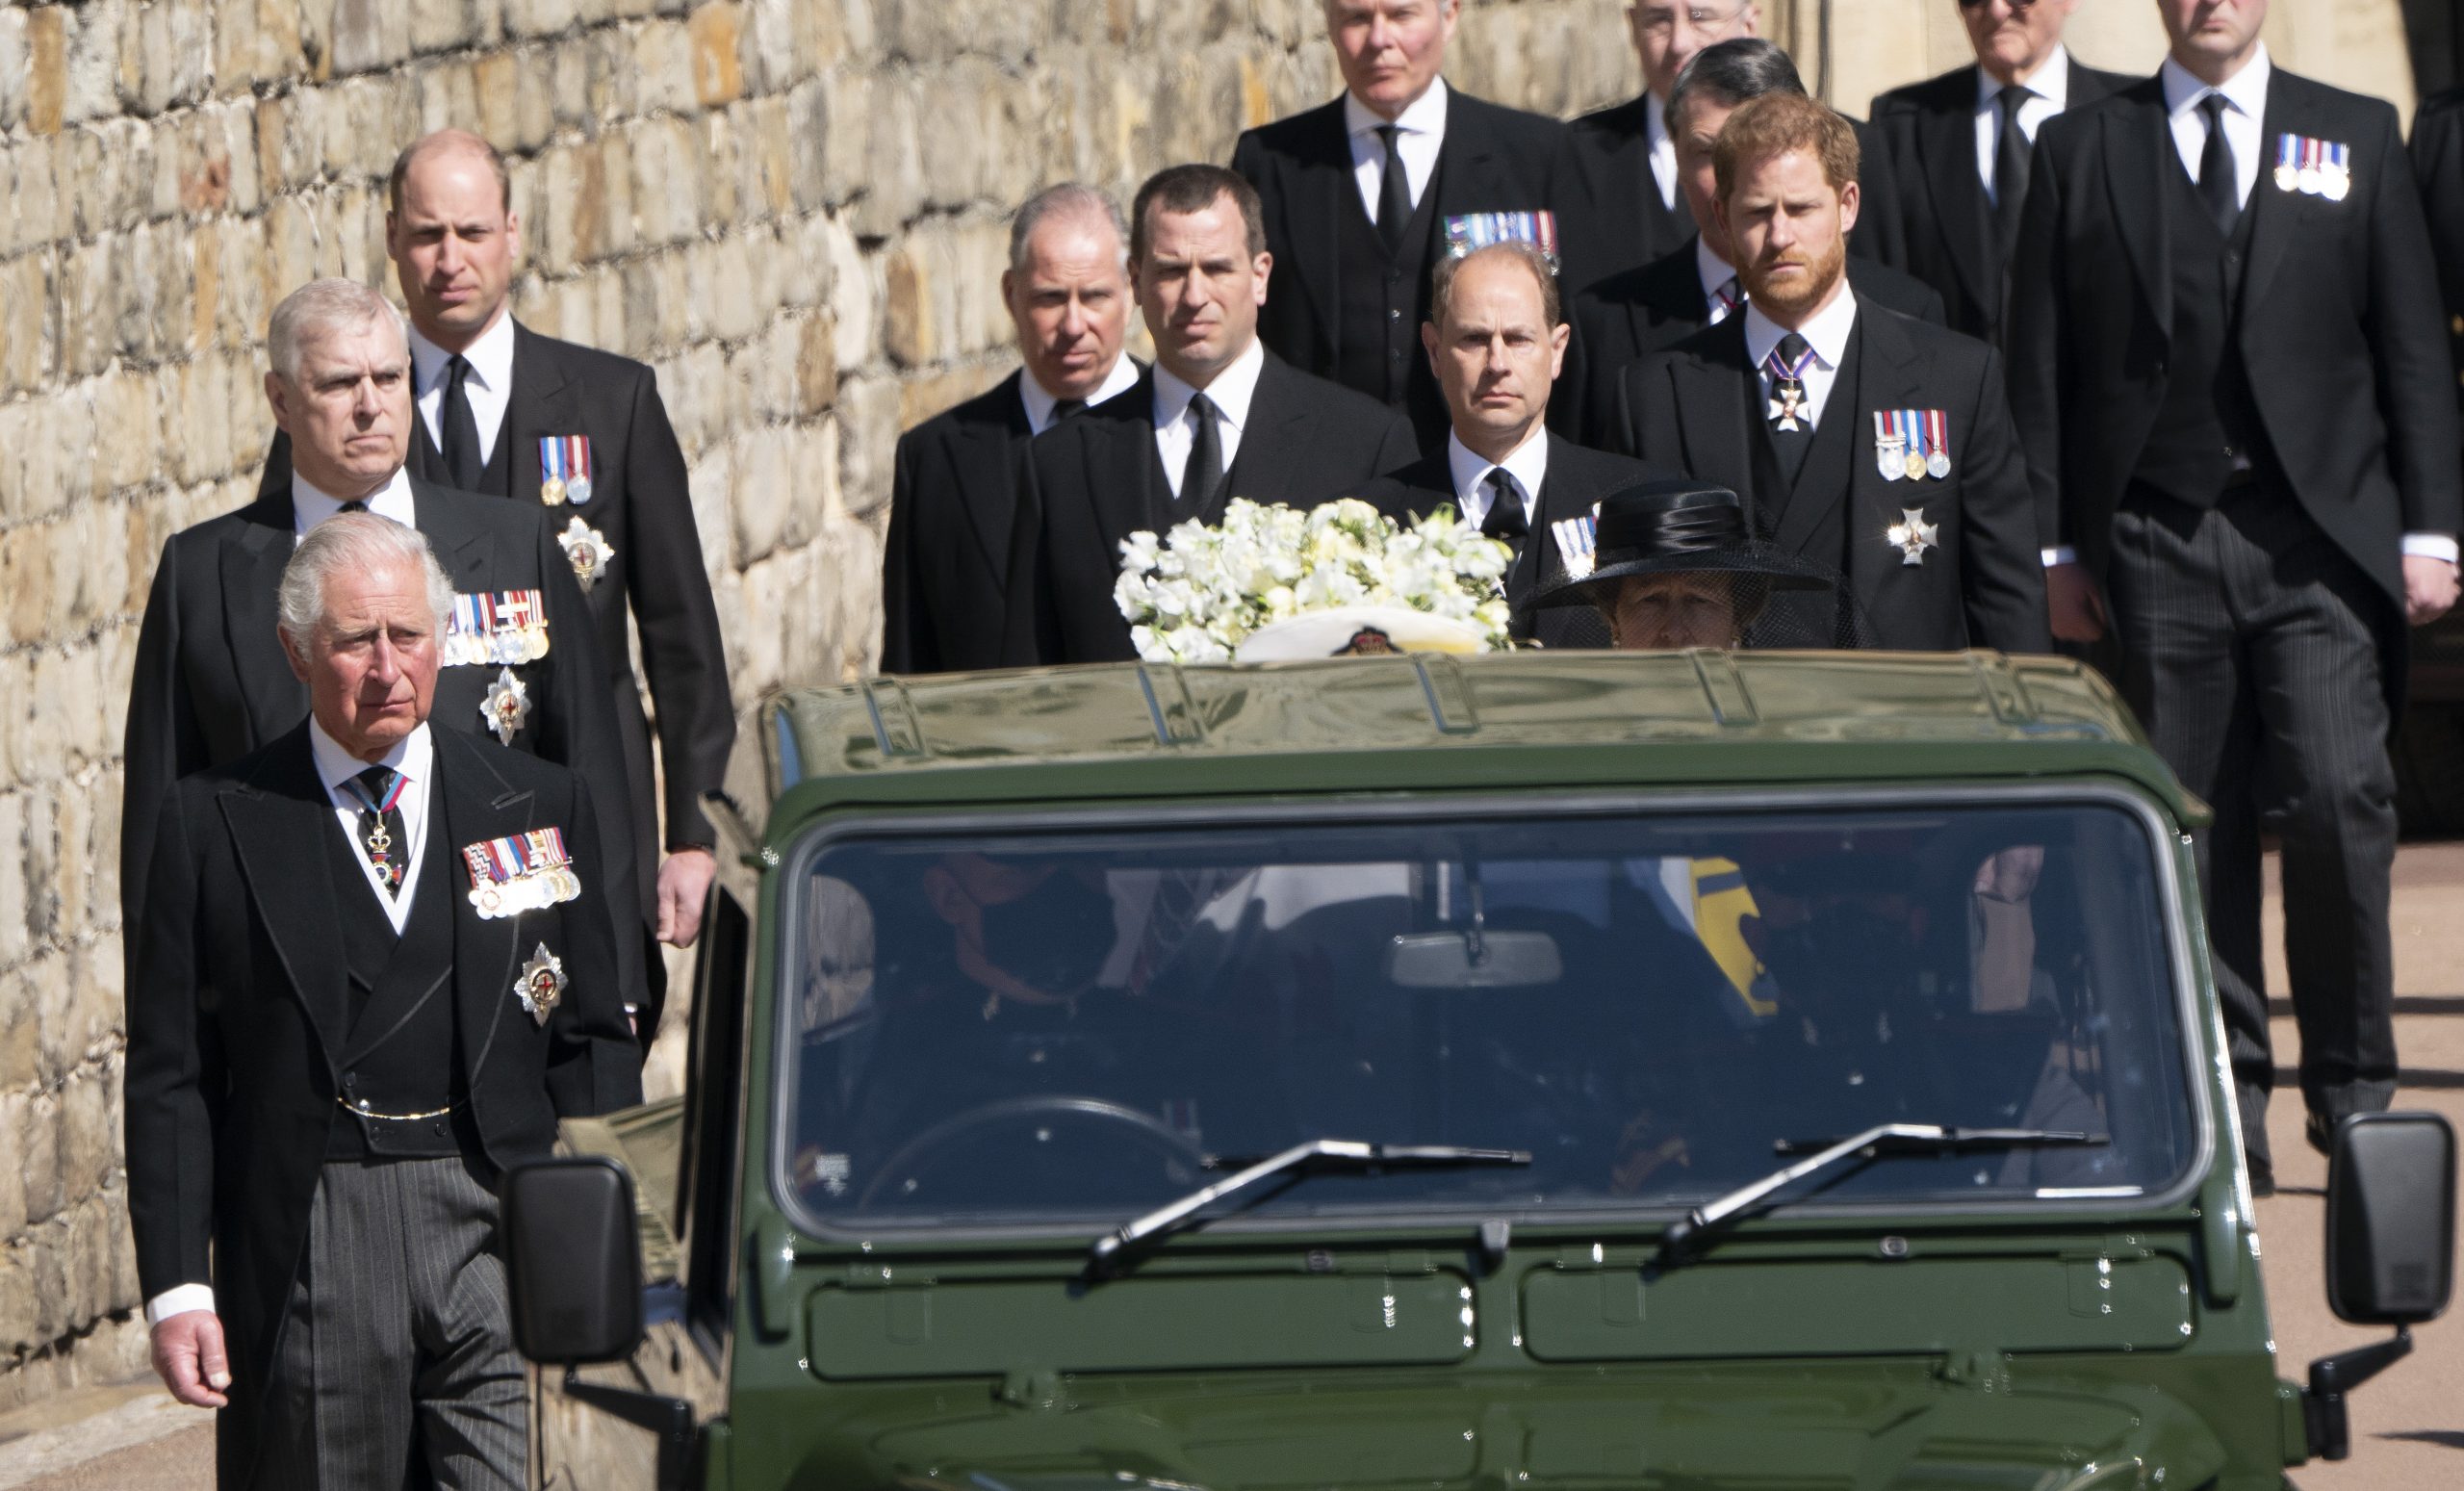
point(2408, 1426)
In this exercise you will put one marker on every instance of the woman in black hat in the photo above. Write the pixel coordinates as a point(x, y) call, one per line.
point(1673, 565)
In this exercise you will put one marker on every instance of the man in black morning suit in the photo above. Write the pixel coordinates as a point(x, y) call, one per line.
point(1954, 139)
point(2227, 362)
point(211, 684)
point(1797, 403)
point(1648, 309)
point(510, 413)
point(1358, 192)
point(945, 568)
point(342, 1028)
point(1217, 417)
point(1633, 210)
point(1497, 340)
point(2438, 158)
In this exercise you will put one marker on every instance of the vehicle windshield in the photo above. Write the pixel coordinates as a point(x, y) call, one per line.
point(1065, 1027)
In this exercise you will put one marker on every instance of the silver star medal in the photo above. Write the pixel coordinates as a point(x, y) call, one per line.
point(542, 985)
point(507, 707)
point(1912, 535)
point(1789, 404)
point(587, 550)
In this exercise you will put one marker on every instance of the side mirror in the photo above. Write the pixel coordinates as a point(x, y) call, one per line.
point(2391, 1218)
point(572, 1260)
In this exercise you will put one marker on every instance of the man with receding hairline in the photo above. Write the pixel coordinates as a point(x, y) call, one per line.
point(1217, 417)
point(956, 492)
point(583, 434)
point(1862, 439)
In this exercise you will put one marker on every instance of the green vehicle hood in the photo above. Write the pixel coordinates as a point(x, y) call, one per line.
point(1799, 1429)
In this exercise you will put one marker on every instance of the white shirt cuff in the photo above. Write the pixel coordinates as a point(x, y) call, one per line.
point(2059, 554)
point(179, 1299)
point(2430, 545)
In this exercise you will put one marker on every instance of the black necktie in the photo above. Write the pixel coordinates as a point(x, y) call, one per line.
point(462, 463)
point(1205, 472)
point(1394, 193)
point(1790, 408)
point(355, 504)
point(381, 835)
point(1064, 410)
point(2011, 158)
point(2218, 184)
point(1505, 519)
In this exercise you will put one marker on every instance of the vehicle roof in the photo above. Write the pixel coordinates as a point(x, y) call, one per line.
point(1516, 720)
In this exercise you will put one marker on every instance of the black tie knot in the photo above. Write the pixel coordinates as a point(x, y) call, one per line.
point(378, 781)
point(1204, 473)
point(1792, 351)
point(358, 504)
point(1064, 409)
point(459, 426)
point(1505, 519)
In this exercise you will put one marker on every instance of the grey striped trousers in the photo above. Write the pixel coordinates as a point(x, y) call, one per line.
point(395, 1366)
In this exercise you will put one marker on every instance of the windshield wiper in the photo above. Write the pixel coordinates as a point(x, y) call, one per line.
point(1346, 1151)
point(1687, 1232)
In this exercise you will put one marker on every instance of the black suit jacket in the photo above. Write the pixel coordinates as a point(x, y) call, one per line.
point(1622, 224)
point(1929, 132)
point(958, 492)
point(2438, 158)
point(212, 684)
point(1493, 159)
point(640, 504)
point(2339, 328)
point(1984, 587)
point(1576, 479)
point(1631, 316)
point(238, 1021)
point(1097, 478)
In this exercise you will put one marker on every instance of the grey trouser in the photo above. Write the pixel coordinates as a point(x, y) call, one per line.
point(2249, 653)
point(395, 1366)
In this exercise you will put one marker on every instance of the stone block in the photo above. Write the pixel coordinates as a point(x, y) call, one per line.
point(46, 69)
point(538, 18)
point(894, 161)
point(89, 1151)
point(760, 491)
point(94, 77)
point(16, 936)
point(172, 45)
point(868, 429)
point(442, 25)
point(716, 30)
point(16, 67)
point(41, 1158)
point(813, 455)
point(12, 1185)
point(27, 354)
point(721, 149)
point(667, 198)
point(664, 79)
point(816, 365)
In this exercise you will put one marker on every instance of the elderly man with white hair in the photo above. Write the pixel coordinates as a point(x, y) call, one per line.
point(373, 971)
point(519, 658)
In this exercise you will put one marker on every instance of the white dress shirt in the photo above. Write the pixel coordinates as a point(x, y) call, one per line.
point(2246, 96)
point(1827, 334)
point(1715, 271)
point(1232, 390)
point(1663, 148)
point(1421, 132)
point(1527, 467)
point(1040, 403)
point(310, 506)
point(488, 388)
point(414, 756)
point(2048, 94)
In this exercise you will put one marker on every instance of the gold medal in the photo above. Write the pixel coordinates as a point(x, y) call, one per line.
point(2288, 178)
point(1914, 464)
point(551, 491)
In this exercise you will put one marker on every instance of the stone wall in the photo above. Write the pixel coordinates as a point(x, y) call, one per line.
point(793, 208)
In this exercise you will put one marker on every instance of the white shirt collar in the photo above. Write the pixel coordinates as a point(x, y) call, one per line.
point(1040, 403)
point(1232, 389)
point(1422, 116)
point(2050, 82)
point(1827, 333)
point(410, 756)
point(310, 506)
point(1527, 464)
point(490, 357)
point(1713, 270)
point(2247, 90)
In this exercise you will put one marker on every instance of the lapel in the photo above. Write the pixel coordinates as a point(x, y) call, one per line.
point(473, 804)
point(463, 550)
point(1325, 184)
point(1123, 477)
point(1269, 465)
point(252, 562)
point(274, 818)
point(2271, 211)
point(985, 462)
point(1712, 429)
point(2138, 146)
point(1891, 375)
point(541, 402)
point(1946, 140)
point(1464, 156)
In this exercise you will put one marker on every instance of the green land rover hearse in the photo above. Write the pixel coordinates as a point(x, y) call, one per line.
point(1550, 1072)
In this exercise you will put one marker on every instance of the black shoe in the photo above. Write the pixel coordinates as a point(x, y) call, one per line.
point(2320, 1131)
point(2262, 1177)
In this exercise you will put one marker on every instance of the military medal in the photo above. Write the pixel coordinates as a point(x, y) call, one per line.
point(1474, 231)
point(525, 872)
point(1912, 535)
point(2288, 163)
point(1577, 546)
point(1912, 457)
point(507, 707)
point(2306, 177)
point(1889, 445)
point(1938, 457)
point(1790, 409)
point(2336, 175)
point(2313, 168)
point(564, 470)
point(588, 551)
point(497, 628)
point(379, 842)
point(542, 984)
